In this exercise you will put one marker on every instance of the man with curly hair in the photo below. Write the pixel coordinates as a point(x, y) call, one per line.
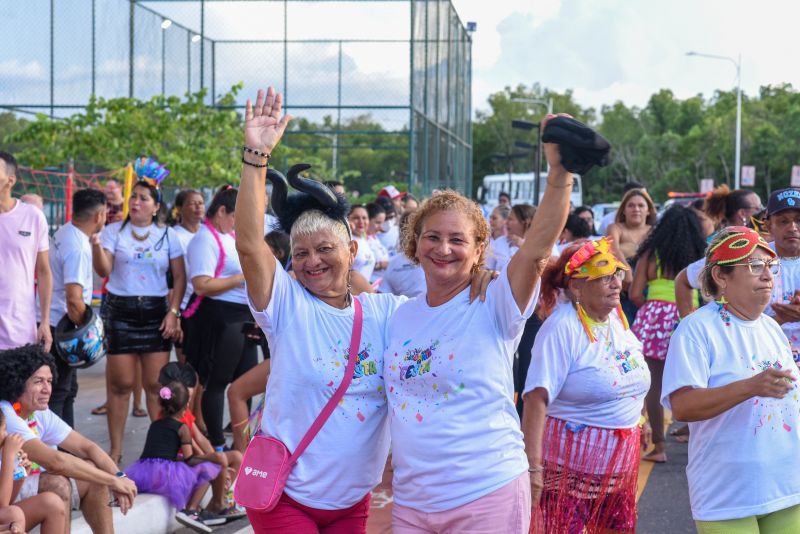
point(83, 477)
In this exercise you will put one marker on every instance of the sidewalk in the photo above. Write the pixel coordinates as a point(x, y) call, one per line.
point(663, 489)
point(151, 513)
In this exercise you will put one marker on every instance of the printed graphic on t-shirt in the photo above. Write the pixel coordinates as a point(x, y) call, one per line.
point(770, 413)
point(624, 369)
point(365, 373)
point(429, 380)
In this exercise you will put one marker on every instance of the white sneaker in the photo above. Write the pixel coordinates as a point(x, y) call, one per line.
point(191, 519)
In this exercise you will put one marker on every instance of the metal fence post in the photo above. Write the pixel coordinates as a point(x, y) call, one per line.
point(131, 15)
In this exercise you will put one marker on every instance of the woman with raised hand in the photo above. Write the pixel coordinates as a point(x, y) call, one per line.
point(457, 451)
point(730, 374)
point(583, 397)
point(308, 322)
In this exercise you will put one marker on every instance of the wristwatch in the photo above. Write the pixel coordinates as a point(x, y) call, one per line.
point(121, 474)
point(176, 313)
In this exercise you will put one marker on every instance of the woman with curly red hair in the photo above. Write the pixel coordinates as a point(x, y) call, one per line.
point(583, 397)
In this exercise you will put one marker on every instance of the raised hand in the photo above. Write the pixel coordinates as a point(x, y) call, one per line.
point(263, 124)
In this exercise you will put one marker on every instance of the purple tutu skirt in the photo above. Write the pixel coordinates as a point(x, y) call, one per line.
point(653, 326)
point(172, 479)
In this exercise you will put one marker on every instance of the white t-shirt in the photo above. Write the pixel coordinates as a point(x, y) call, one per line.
point(71, 263)
point(365, 258)
point(741, 461)
point(43, 425)
point(783, 288)
point(693, 271)
point(185, 236)
point(499, 253)
point(309, 341)
point(203, 255)
point(599, 384)
point(455, 431)
point(140, 267)
point(380, 253)
point(403, 277)
point(390, 238)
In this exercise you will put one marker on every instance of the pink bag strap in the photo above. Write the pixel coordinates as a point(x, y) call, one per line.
point(188, 312)
point(352, 358)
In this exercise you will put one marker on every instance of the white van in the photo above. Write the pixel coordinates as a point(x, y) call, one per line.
point(519, 187)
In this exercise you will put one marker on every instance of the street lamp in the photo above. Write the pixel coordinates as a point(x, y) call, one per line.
point(537, 172)
point(738, 64)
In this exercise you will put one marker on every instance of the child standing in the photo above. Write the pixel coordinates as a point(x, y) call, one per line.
point(168, 465)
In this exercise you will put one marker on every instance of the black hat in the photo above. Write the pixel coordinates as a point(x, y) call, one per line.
point(783, 199)
point(581, 147)
point(313, 195)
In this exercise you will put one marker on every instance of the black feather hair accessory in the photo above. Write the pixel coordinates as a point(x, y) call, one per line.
point(312, 195)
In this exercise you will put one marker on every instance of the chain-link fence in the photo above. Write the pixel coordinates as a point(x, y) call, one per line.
point(381, 80)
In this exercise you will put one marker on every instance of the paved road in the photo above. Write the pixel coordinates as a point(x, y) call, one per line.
point(663, 505)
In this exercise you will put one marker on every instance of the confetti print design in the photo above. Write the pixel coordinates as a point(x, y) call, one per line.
point(427, 380)
point(366, 394)
point(770, 414)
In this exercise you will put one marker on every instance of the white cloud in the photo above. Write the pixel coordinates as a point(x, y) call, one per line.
point(13, 69)
point(607, 50)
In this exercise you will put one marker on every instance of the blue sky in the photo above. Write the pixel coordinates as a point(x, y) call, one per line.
point(605, 50)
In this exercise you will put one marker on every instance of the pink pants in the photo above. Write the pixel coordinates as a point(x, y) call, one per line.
point(291, 517)
point(504, 511)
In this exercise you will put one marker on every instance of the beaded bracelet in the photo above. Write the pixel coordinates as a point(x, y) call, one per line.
point(257, 165)
point(258, 153)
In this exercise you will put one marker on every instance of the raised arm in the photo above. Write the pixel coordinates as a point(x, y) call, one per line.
point(527, 264)
point(263, 128)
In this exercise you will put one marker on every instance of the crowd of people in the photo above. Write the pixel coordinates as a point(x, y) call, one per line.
point(517, 366)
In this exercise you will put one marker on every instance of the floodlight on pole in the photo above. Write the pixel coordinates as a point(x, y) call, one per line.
point(195, 38)
point(166, 24)
point(738, 64)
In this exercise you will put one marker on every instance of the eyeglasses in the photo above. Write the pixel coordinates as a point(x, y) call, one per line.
point(756, 267)
point(619, 274)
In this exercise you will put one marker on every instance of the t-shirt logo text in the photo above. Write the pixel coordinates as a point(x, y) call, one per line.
point(418, 362)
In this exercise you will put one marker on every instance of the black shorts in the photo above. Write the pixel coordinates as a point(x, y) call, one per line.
point(132, 324)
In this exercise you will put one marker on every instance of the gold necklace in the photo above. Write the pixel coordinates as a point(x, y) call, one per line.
point(138, 237)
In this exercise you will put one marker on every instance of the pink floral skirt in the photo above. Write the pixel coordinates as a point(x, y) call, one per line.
point(653, 326)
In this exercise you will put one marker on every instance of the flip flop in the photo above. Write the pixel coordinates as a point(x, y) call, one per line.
point(139, 412)
point(100, 410)
point(680, 431)
point(649, 458)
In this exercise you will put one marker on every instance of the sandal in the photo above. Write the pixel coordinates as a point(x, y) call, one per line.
point(139, 412)
point(100, 410)
point(655, 457)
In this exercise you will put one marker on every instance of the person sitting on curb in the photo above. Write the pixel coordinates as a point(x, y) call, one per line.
point(83, 474)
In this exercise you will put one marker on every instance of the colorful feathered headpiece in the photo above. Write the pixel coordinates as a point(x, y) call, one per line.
point(148, 170)
point(740, 243)
point(594, 260)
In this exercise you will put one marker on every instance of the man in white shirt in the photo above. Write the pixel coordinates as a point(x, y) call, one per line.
point(71, 264)
point(85, 473)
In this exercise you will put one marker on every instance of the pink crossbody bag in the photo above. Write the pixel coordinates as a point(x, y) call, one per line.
point(267, 463)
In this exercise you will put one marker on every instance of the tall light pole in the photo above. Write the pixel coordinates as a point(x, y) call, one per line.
point(549, 104)
point(738, 64)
